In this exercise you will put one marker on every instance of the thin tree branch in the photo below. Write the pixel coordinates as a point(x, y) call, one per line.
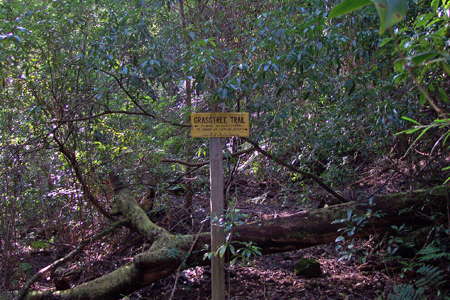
point(70, 157)
point(204, 163)
point(177, 276)
point(185, 163)
point(23, 292)
point(135, 102)
point(184, 175)
point(110, 112)
point(291, 168)
point(427, 95)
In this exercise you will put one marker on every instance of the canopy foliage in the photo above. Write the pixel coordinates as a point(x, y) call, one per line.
point(89, 88)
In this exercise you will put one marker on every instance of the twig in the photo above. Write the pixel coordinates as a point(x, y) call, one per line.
point(184, 261)
point(123, 112)
point(291, 168)
point(185, 163)
point(230, 177)
point(135, 102)
point(204, 163)
point(427, 95)
point(24, 291)
point(184, 175)
point(440, 112)
point(382, 186)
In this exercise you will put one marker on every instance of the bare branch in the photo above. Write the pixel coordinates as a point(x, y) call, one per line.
point(185, 163)
point(23, 292)
point(204, 163)
point(135, 102)
point(291, 168)
point(71, 159)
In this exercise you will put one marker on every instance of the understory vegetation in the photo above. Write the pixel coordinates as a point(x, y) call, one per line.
point(348, 101)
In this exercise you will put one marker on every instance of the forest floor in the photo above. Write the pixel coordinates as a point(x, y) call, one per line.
point(265, 277)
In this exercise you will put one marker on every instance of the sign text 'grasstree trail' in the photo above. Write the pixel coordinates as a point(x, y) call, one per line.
point(220, 124)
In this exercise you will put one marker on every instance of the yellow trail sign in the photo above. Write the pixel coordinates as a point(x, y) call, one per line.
point(220, 124)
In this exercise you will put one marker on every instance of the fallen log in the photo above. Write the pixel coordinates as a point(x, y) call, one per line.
point(301, 230)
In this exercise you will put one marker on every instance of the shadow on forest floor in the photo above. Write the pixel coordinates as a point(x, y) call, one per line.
point(267, 277)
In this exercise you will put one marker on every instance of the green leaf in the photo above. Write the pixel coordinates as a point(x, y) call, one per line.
point(396, 11)
point(232, 250)
point(422, 99)
point(221, 251)
point(437, 121)
point(347, 6)
point(207, 255)
point(399, 65)
point(385, 41)
point(410, 120)
point(443, 95)
point(381, 6)
point(223, 93)
point(390, 12)
point(422, 57)
point(39, 244)
point(409, 131)
point(435, 4)
point(417, 139)
point(349, 214)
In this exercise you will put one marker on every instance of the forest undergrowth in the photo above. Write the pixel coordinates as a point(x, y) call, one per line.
point(366, 275)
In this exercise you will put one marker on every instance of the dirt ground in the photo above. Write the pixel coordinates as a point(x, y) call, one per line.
point(266, 277)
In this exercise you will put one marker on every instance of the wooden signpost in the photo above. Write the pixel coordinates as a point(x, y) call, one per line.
point(216, 126)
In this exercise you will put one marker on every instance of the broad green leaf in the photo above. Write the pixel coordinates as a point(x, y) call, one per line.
point(390, 12)
point(347, 6)
point(396, 11)
point(221, 251)
point(423, 20)
point(381, 6)
point(435, 4)
point(436, 20)
point(423, 57)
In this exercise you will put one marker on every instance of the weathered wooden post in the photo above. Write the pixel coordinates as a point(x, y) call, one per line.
point(216, 179)
point(216, 126)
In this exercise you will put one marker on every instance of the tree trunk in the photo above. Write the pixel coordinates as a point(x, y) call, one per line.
point(301, 230)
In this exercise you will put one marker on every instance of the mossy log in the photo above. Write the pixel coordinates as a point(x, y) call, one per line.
point(301, 230)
